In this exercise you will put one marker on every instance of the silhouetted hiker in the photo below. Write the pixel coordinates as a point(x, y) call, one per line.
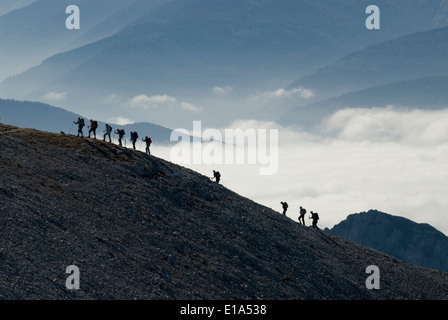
point(302, 215)
point(285, 207)
point(107, 133)
point(216, 175)
point(315, 217)
point(120, 133)
point(93, 126)
point(134, 137)
point(148, 142)
point(81, 125)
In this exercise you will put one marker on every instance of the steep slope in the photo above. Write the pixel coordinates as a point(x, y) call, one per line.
point(419, 244)
point(139, 227)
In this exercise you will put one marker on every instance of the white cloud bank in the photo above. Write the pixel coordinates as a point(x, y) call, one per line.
point(386, 159)
point(385, 124)
point(145, 102)
point(222, 90)
point(156, 101)
point(121, 121)
point(54, 96)
point(300, 92)
point(189, 107)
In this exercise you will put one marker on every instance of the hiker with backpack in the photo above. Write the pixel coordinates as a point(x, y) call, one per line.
point(148, 142)
point(134, 137)
point(285, 207)
point(302, 213)
point(121, 134)
point(315, 218)
point(93, 126)
point(216, 175)
point(81, 125)
point(107, 133)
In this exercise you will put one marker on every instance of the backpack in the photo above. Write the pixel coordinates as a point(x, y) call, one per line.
point(81, 122)
point(303, 211)
point(217, 174)
point(316, 216)
point(95, 124)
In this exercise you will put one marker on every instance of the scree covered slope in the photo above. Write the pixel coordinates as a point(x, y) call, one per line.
point(140, 227)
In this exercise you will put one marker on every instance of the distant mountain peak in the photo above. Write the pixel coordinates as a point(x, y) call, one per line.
point(417, 243)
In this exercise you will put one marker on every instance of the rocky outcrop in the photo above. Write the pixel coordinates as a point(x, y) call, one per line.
point(419, 244)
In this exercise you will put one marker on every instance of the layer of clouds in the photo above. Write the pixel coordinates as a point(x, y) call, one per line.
point(385, 124)
point(121, 121)
point(222, 90)
point(300, 92)
point(156, 101)
point(145, 102)
point(382, 158)
point(54, 96)
point(189, 107)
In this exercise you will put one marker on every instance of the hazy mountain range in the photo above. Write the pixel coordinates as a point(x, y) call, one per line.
point(409, 71)
point(139, 227)
point(8, 6)
point(416, 243)
point(181, 50)
point(36, 31)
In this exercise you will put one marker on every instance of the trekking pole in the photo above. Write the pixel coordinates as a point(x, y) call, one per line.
point(71, 128)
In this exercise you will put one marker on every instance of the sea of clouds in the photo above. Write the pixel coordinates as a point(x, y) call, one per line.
point(389, 159)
